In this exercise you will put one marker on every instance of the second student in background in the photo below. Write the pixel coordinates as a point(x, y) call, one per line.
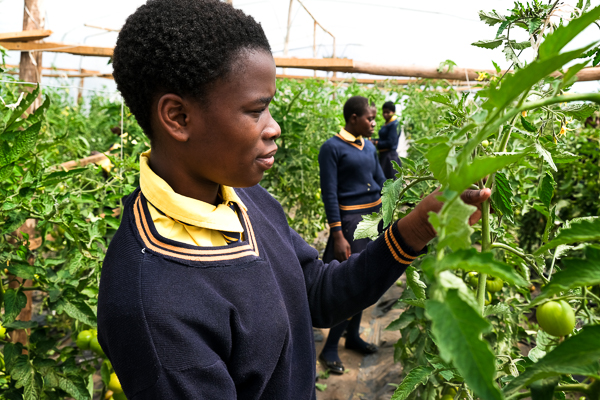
point(388, 140)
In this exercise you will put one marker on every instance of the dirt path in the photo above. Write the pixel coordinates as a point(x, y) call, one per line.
point(367, 377)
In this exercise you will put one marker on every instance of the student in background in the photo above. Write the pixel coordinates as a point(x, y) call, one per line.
point(388, 140)
point(351, 182)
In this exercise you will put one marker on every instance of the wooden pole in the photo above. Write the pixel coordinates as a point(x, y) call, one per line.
point(286, 43)
point(30, 67)
point(315, 43)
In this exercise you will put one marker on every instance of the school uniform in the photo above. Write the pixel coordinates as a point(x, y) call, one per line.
point(351, 183)
point(185, 313)
point(387, 145)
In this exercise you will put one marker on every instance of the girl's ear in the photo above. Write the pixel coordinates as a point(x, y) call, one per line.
point(353, 119)
point(173, 116)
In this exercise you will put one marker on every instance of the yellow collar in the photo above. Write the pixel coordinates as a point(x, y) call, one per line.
point(394, 117)
point(186, 209)
point(348, 137)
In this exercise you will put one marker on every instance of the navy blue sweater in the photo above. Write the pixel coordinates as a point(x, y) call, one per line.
point(351, 179)
point(388, 136)
point(231, 322)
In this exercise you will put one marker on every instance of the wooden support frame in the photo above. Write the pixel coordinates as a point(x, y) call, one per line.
point(25, 36)
point(53, 47)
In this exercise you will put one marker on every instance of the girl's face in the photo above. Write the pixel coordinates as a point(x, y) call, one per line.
point(229, 139)
point(387, 114)
point(365, 124)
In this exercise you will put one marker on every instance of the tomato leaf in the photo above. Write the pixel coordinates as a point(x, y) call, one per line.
point(489, 44)
point(413, 280)
point(27, 378)
point(75, 386)
point(457, 328)
point(400, 323)
point(545, 155)
point(546, 189)
point(14, 301)
point(580, 111)
point(76, 309)
point(389, 197)
point(578, 355)
point(417, 376)
point(367, 228)
point(585, 230)
point(21, 108)
point(452, 225)
point(528, 125)
point(502, 196)
point(491, 18)
point(438, 166)
point(469, 173)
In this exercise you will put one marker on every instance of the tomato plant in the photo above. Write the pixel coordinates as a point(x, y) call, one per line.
point(536, 235)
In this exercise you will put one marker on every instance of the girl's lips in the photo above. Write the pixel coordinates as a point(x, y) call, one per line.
point(266, 162)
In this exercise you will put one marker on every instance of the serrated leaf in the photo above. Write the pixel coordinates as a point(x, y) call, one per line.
point(25, 142)
point(440, 98)
point(546, 189)
point(452, 225)
point(489, 44)
point(21, 108)
point(401, 322)
point(75, 386)
point(14, 301)
point(580, 231)
point(520, 45)
point(555, 42)
point(496, 309)
point(457, 328)
point(417, 376)
point(413, 280)
point(545, 154)
point(24, 373)
point(491, 18)
point(533, 25)
point(469, 173)
point(544, 388)
point(580, 111)
point(6, 171)
point(570, 76)
point(472, 260)
point(528, 125)
point(368, 227)
point(510, 55)
point(77, 309)
point(502, 196)
point(12, 351)
point(438, 166)
point(389, 197)
point(577, 355)
point(21, 325)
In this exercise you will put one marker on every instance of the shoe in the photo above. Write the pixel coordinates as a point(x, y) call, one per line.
point(334, 367)
point(368, 348)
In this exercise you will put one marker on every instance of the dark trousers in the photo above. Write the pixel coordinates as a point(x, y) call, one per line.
point(385, 159)
point(352, 325)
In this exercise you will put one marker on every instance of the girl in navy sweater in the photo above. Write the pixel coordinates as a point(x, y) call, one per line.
point(206, 292)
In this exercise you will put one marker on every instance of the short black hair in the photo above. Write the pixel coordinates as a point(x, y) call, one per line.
point(389, 105)
point(355, 105)
point(181, 47)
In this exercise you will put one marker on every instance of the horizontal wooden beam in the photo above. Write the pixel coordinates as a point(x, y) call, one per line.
point(68, 76)
point(315, 63)
point(91, 71)
point(59, 48)
point(25, 36)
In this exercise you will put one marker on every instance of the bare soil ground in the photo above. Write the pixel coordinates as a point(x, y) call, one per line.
point(367, 377)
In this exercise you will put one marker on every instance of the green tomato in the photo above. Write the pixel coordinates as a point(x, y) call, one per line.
point(447, 397)
point(95, 346)
point(494, 284)
point(472, 279)
point(451, 391)
point(114, 384)
point(2, 332)
point(485, 143)
point(556, 318)
point(488, 298)
point(83, 339)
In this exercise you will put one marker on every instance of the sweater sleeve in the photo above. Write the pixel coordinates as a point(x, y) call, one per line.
point(328, 170)
point(388, 137)
point(378, 174)
point(337, 291)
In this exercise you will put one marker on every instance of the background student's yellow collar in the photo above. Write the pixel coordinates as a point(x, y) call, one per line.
point(347, 136)
point(394, 117)
point(186, 209)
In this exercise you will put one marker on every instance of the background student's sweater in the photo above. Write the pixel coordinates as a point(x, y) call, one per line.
point(236, 326)
point(351, 178)
point(388, 136)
